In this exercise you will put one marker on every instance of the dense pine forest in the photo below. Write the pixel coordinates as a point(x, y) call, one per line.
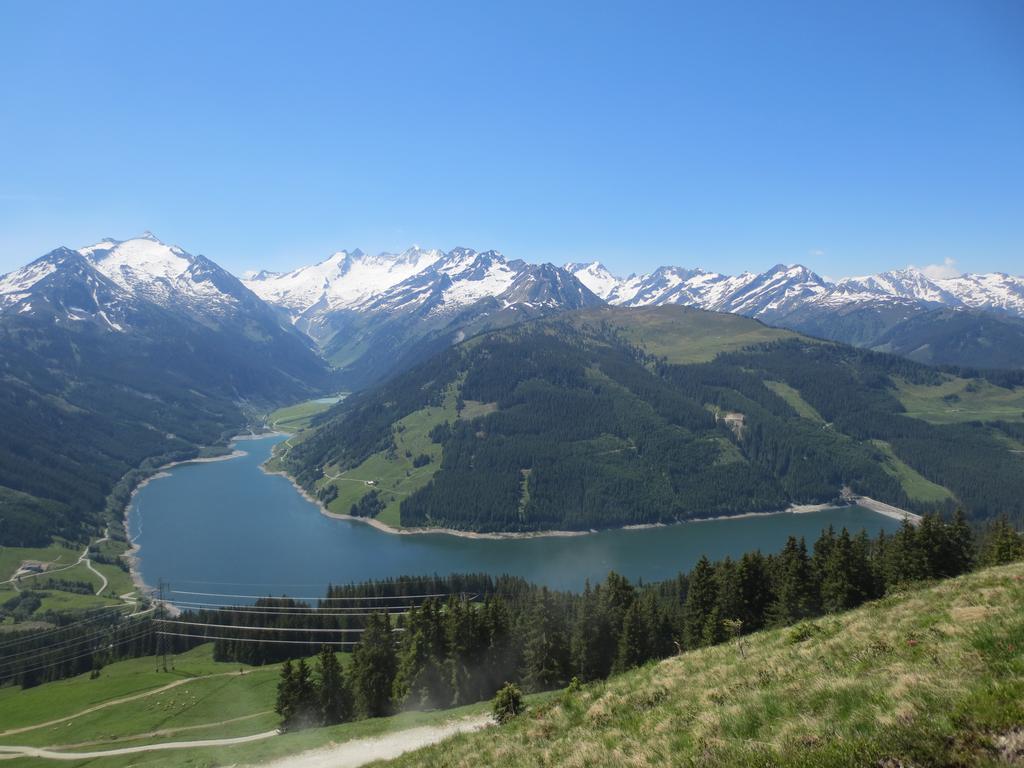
point(582, 428)
point(455, 651)
point(86, 414)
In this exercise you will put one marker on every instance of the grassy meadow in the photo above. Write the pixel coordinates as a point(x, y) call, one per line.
point(704, 335)
point(958, 400)
point(293, 418)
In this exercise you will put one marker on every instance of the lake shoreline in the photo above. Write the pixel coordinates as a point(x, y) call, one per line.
point(792, 509)
point(282, 545)
point(131, 555)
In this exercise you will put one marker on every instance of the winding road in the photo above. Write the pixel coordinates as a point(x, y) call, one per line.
point(82, 558)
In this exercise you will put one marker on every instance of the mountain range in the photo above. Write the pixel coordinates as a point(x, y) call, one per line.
point(373, 315)
point(370, 315)
point(973, 320)
point(124, 352)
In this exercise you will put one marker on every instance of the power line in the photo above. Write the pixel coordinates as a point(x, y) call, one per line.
point(261, 629)
point(4, 659)
point(261, 640)
point(393, 610)
point(57, 662)
point(101, 613)
point(320, 599)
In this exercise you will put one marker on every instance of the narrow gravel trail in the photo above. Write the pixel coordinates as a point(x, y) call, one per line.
point(358, 752)
point(349, 754)
point(114, 702)
point(49, 754)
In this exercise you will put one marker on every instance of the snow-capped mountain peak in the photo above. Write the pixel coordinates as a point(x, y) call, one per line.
point(786, 288)
point(344, 280)
point(596, 277)
point(115, 282)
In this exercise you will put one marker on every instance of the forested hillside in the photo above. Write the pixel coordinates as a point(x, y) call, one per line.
point(614, 416)
point(81, 407)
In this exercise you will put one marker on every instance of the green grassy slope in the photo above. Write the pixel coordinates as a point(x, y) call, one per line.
point(292, 418)
point(928, 677)
point(135, 704)
point(682, 334)
point(958, 400)
point(914, 484)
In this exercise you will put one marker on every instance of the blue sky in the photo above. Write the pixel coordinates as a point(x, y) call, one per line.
point(852, 137)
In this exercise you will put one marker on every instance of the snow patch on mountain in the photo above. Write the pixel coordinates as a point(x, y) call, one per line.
point(785, 289)
point(345, 280)
point(596, 277)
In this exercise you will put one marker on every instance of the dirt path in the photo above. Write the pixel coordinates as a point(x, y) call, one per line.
point(114, 702)
point(159, 734)
point(349, 754)
point(82, 558)
point(91, 567)
point(49, 754)
point(358, 752)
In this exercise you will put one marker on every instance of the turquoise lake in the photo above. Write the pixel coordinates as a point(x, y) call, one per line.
point(227, 527)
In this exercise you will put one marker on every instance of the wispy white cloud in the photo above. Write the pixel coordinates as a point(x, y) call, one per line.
point(938, 271)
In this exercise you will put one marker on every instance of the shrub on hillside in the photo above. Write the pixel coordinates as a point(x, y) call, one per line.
point(508, 703)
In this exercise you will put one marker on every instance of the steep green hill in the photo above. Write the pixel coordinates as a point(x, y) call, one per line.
point(929, 677)
point(81, 408)
point(619, 416)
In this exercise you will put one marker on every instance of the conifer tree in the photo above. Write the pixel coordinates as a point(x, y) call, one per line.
point(905, 560)
point(502, 657)
point(838, 591)
point(862, 575)
point(545, 651)
point(961, 545)
point(792, 585)
point(1002, 544)
point(306, 701)
point(701, 598)
point(632, 640)
point(466, 645)
point(589, 639)
point(373, 668)
point(659, 641)
point(421, 680)
point(730, 596)
point(335, 698)
point(755, 591)
point(286, 695)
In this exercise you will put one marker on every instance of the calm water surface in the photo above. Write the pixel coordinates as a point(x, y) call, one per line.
point(227, 527)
